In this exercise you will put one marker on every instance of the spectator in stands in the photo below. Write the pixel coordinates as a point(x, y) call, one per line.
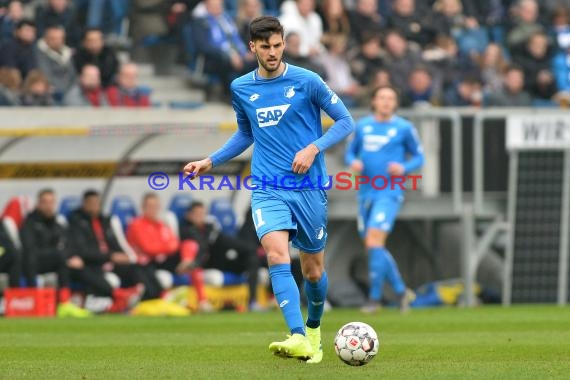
point(55, 60)
point(9, 21)
point(18, 52)
point(300, 16)
point(217, 38)
point(10, 82)
point(335, 20)
point(88, 92)
point(512, 94)
point(93, 51)
point(104, 13)
point(414, 25)
point(561, 27)
point(449, 20)
point(127, 92)
point(536, 61)
point(10, 259)
point(216, 248)
point(466, 92)
point(148, 18)
point(36, 91)
point(368, 59)
point(401, 58)
point(446, 63)
point(292, 55)
point(157, 247)
point(45, 250)
point(492, 64)
point(364, 20)
point(248, 10)
point(59, 12)
point(91, 237)
point(339, 76)
point(421, 90)
point(526, 24)
point(485, 13)
point(561, 69)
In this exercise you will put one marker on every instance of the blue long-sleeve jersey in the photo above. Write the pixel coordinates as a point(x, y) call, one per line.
point(377, 144)
point(282, 116)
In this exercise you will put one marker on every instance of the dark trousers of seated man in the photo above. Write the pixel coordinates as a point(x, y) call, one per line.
point(51, 261)
point(246, 260)
point(170, 263)
point(10, 264)
point(93, 278)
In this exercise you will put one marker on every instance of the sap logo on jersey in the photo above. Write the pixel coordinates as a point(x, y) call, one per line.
point(270, 116)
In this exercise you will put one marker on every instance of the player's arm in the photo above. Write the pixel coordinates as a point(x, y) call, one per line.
point(236, 145)
point(329, 102)
point(414, 149)
point(352, 153)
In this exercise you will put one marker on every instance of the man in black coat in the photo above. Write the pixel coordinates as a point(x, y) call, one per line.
point(18, 52)
point(45, 250)
point(94, 52)
point(92, 238)
point(218, 250)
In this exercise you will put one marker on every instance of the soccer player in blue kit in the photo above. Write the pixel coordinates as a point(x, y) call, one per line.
point(379, 147)
point(278, 107)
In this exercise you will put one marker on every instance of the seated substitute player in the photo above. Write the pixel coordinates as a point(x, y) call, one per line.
point(157, 247)
point(278, 107)
point(379, 148)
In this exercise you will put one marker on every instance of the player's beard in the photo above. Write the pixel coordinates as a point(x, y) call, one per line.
point(268, 68)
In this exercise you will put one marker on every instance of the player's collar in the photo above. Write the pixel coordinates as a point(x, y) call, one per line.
point(256, 77)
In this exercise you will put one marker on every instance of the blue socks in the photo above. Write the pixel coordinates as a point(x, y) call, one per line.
point(382, 267)
point(287, 295)
point(316, 295)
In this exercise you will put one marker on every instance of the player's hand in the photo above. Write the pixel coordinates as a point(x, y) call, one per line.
point(357, 166)
point(304, 159)
point(75, 262)
point(120, 258)
point(396, 169)
point(198, 168)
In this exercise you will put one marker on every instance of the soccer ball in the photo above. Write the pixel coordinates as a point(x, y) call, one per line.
point(356, 343)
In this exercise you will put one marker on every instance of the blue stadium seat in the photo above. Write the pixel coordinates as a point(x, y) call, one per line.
point(69, 204)
point(124, 208)
point(223, 211)
point(179, 204)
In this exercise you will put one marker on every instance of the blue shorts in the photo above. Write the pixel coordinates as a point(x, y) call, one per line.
point(379, 214)
point(302, 213)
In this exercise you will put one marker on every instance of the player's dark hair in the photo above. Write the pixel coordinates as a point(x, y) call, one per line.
point(389, 87)
point(45, 191)
point(383, 87)
point(264, 27)
point(90, 193)
point(194, 204)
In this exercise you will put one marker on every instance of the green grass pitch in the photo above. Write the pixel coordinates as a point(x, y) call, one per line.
point(528, 342)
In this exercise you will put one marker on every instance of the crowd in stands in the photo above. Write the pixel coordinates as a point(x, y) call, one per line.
point(437, 52)
point(49, 56)
point(92, 256)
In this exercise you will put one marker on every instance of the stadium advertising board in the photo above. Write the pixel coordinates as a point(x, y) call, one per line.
point(536, 131)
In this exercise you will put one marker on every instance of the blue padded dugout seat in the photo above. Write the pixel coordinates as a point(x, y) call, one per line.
point(69, 204)
point(223, 211)
point(124, 208)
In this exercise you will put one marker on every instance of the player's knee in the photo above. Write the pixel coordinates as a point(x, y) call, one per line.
point(313, 274)
point(375, 239)
point(275, 257)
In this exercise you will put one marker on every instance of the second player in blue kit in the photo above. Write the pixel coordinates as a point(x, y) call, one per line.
point(278, 107)
point(385, 145)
